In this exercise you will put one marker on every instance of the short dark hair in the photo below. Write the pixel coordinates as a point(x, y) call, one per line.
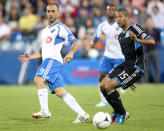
point(56, 4)
point(124, 11)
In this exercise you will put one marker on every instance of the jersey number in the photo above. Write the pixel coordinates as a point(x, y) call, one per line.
point(123, 75)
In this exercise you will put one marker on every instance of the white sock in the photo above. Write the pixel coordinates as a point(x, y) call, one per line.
point(103, 100)
point(72, 103)
point(43, 99)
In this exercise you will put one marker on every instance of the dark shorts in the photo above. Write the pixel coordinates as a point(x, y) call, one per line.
point(126, 76)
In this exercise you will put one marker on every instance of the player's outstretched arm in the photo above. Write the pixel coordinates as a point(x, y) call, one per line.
point(27, 57)
point(69, 56)
point(149, 41)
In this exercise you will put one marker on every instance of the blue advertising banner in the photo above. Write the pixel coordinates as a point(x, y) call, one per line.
point(81, 72)
point(77, 72)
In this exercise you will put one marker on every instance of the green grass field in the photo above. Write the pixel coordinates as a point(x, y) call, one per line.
point(146, 108)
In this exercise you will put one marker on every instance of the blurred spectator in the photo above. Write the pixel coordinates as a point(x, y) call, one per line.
point(153, 3)
point(74, 2)
point(4, 33)
point(98, 17)
point(23, 5)
point(85, 46)
point(118, 4)
point(142, 17)
point(151, 54)
point(2, 9)
point(131, 15)
point(86, 4)
point(80, 21)
point(85, 35)
point(69, 7)
point(100, 5)
point(126, 3)
point(12, 19)
point(86, 31)
point(40, 8)
point(158, 18)
point(28, 17)
point(138, 3)
point(12, 4)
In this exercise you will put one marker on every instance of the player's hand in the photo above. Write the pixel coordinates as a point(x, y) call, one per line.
point(133, 36)
point(133, 88)
point(68, 57)
point(24, 58)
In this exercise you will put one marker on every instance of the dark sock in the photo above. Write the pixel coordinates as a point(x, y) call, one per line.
point(114, 100)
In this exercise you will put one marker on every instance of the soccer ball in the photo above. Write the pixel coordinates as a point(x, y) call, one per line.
point(101, 120)
point(93, 53)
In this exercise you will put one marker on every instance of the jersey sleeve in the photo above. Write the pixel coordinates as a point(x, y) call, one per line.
point(98, 33)
point(139, 32)
point(67, 35)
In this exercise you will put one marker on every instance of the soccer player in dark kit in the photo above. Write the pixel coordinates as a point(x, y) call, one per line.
point(130, 71)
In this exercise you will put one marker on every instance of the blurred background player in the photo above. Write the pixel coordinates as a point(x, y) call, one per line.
point(52, 40)
point(130, 71)
point(112, 54)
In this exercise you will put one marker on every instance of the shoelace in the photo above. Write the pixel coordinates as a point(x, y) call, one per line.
point(81, 118)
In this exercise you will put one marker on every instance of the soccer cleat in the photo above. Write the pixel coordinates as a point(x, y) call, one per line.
point(81, 118)
point(41, 114)
point(102, 104)
point(114, 116)
point(120, 118)
point(127, 115)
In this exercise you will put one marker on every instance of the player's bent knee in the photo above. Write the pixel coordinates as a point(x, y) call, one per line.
point(111, 85)
point(60, 91)
point(38, 80)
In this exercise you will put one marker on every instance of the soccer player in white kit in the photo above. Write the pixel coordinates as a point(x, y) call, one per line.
point(52, 40)
point(112, 54)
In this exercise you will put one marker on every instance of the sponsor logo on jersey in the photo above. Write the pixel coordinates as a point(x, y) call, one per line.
point(49, 39)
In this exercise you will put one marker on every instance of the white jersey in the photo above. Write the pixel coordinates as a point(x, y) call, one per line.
point(52, 40)
point(111, 32)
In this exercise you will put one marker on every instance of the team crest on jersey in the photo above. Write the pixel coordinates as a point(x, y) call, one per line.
point(72, 37)
point(49, 39)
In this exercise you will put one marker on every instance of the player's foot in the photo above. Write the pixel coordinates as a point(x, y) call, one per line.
point(121, 118)
point(114, 116)
point(41, 114)
point(122, 91)
point(81, 118)
point(102, 104)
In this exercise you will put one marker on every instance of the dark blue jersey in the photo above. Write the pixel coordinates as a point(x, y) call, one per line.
point(132, 51)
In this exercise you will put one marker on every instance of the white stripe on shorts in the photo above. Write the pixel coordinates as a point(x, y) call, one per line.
point(49, 65)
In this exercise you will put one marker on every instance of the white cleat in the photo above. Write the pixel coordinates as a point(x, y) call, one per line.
point(81, 118)
point(127, 115)
point(102, 104)
point(41, 114)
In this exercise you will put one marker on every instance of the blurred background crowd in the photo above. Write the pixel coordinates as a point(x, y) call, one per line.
point(21, 22)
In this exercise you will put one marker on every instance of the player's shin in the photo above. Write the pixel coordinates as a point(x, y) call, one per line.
point(114, 100)
point(43, 99)
point(73, 104)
